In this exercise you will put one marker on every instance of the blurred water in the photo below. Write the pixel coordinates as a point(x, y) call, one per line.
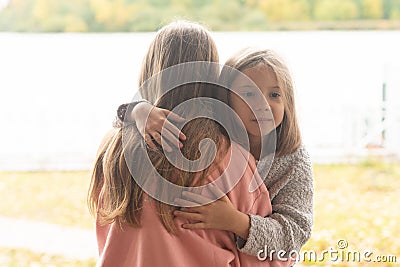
point(59, 92)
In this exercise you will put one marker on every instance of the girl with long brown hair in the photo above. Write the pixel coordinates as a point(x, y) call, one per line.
point(135, 229)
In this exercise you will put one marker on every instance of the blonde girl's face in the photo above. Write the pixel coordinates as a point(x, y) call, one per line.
point(266, 102)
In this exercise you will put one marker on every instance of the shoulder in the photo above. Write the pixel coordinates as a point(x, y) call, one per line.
point(236, 164)
point(298, 170)
point(299, 155)
point(291, 175)
point(299, 160)
point(281, 170)
point(233, 155)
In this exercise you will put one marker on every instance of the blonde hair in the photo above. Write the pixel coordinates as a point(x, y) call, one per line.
point(114, 195)
point(288, 137)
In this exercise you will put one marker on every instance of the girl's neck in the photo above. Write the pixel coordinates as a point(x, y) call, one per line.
point(255, 146)
point(262, 146)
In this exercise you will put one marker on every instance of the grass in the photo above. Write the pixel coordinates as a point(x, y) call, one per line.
point(357, 203)
point(53, 197)
point(360, 204)
point(27, 258)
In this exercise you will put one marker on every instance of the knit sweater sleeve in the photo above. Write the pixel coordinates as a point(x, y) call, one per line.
point(128, 107)
point(289, 226)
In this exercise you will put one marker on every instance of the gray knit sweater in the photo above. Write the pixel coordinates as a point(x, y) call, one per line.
point(290, 185)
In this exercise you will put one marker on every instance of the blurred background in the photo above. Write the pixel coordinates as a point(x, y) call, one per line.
point(65, 66)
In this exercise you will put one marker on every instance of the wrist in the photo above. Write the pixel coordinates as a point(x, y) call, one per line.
point(241, 225)
point(126, 112)
point(142, 106)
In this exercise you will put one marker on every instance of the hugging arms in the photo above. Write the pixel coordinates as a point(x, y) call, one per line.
point(288, 177)
point(134, 210)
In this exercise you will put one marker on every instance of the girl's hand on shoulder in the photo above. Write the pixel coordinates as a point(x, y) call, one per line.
point(151, 127)
point(218, 215)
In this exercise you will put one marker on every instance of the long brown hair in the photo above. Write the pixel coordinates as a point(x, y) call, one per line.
point(114, 195)
point(288, 137)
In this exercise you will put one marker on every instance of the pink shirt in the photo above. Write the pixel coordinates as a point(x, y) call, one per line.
point(151, 245)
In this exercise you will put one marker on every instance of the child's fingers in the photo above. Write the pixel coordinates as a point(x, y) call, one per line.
point(167, 135)
point(193, 226)
point(157, 137)
point(176, 133)
point(172, 127)
point(188, 215)
point(173, 116)
point(149, 142)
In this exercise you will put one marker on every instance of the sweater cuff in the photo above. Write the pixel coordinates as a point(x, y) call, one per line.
point(124, 108)
point(249, 246)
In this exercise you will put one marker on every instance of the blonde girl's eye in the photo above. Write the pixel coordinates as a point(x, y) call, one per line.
point(248, 94)
point(274, 95)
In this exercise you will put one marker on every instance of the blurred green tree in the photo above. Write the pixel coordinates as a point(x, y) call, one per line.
point(326, 10)
point(372, 9)
point(286, 10)
point(149, 15)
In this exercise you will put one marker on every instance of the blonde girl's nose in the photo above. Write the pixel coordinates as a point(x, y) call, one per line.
point(262, 108)
point(261, 104)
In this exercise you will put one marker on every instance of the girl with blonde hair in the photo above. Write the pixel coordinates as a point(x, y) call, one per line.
point(288, 177)
point(135, 229)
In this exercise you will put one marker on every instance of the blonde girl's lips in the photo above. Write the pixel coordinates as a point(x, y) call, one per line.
point(262, 120)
